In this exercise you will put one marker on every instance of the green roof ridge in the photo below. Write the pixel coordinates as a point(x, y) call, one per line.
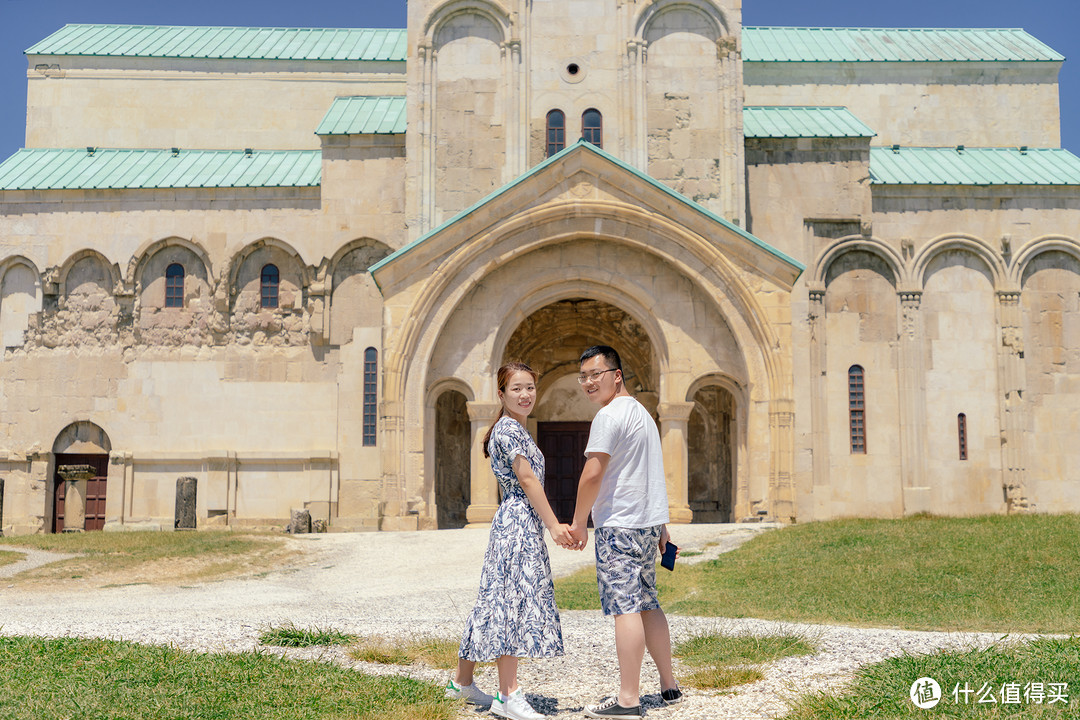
point(876, 44)
point(225, 42)
point(974, 166)
point(802, 121)
point(131, 169)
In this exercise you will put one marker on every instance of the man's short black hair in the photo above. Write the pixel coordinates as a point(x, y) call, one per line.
point(611, 357)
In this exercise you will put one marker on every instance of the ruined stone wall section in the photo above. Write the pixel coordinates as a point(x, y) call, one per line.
point(254, 324)
point(356, 301)
point(683, 99)
point(198, 322)
point(470, 132)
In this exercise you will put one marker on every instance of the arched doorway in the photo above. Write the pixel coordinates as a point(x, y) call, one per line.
point(711, 455)
point(551, 340)
point(81, 465)
point(452, 467)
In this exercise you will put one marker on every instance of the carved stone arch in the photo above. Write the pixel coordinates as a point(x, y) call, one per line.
point(717, 482)
point(976, 246)
point(147, 250)
point(828, 255)
point(552, 287)
point(82, 436)
point(647, 16)
point(441, 15)
point(441, 385)
point(306, 272)
point(733, 386)
point(382, 250)
point(697, 260)
point(9, 262)
point(112, 270)
point(1036, 247)
point(351, 297)
point(449, 442)
point(20, 297)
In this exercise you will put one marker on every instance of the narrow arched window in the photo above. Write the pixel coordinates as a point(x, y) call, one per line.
point(371, 359)
point(592, 127)
point(174, 286)
point(556, 132)
point(268, 287)
point(961, 434)
point(857, 409)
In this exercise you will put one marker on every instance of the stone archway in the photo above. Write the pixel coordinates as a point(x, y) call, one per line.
point(452, 465)
point(711, 458)
point(551, 340)
point(80, 475)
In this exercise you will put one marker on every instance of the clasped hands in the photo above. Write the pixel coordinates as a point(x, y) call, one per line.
point(570, 537)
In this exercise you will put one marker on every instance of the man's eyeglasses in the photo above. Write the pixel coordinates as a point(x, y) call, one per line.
point(593, 376)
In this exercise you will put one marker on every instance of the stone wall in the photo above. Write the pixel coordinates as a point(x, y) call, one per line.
point(199, 104)
point(937, 104)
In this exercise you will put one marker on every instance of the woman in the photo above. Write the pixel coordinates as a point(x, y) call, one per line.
point(515, 614)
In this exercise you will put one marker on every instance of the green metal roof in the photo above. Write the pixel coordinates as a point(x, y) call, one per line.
point(224, 42)
point(376, 114)
point(802, 122)
point(584, 146)
point(800, 44)
point(78, 169)
point(973, 166)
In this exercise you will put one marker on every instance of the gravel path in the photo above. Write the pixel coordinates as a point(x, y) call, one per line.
point(403, 584)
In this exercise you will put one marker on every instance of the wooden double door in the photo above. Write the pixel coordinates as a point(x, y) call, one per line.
point(95, 489)
point(563, 445)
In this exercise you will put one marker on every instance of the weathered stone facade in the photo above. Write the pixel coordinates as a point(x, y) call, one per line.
point(744, 279)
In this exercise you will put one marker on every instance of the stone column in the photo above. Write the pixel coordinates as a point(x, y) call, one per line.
point(483, 488)
point(674, 421)
point(782, 444)
point(912, 377)
point(186, 490)
point(1012, 381)
point(636, 104)
point(819, 409)
point(75, 477)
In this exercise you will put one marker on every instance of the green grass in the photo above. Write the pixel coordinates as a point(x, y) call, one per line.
point(292, 636)
point(432, 651)
point(152, 556)
point(76, 679)
point(999, 573)
point(723, 661)
point(10, 556)
point(882, 690)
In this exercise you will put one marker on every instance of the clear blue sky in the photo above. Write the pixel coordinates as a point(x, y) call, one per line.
point(24, 22)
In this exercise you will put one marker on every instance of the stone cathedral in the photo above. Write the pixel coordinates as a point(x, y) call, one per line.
point(842, 265)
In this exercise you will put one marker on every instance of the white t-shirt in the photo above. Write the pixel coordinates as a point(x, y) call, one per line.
point(633, 492)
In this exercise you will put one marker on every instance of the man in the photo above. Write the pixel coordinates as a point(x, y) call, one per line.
point(623, 486)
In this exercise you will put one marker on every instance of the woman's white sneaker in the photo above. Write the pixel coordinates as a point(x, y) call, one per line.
point(469, 693)
point(514, 706)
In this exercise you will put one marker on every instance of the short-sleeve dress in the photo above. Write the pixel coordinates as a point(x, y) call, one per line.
point(515, 611)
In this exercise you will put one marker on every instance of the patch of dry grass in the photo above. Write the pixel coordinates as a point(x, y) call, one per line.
point(127, 558)
point(432, 651)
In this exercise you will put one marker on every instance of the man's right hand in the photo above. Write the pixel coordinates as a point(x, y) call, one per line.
point(580, 533)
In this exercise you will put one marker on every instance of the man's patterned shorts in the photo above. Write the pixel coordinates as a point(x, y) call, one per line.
point(626, 568)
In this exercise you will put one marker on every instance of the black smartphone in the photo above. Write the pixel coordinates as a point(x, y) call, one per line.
point(668, 558)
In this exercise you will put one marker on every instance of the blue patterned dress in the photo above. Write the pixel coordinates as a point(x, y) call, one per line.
point(515, 611)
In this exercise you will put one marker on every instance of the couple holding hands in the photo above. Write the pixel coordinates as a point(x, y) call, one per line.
point(623, 486)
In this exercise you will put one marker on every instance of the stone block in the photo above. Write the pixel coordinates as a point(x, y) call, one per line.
point(186, 491)
point(300, 521)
